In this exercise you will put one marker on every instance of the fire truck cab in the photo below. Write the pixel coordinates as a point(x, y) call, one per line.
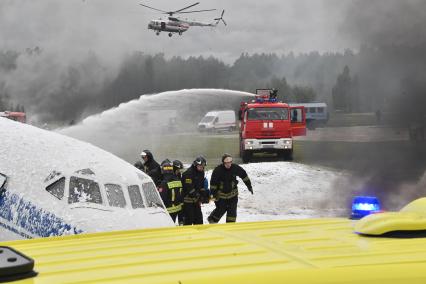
point(268, 126)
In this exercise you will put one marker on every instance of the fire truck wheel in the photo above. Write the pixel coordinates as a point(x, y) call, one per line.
point(286, 155)
point(246, 156)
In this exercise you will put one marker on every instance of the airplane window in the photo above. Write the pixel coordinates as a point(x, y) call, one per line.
point(57, 188)
point(115, 195)
point(84, 190)
point(135, 197)
point(151, 194)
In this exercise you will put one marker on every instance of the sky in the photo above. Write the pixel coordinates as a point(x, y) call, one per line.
point(113, 28)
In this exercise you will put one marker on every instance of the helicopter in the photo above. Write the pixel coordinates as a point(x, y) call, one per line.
point(178, 25)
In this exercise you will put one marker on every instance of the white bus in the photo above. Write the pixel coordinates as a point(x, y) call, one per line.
point(317, 114)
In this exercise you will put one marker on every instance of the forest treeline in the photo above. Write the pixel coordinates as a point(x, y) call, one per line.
point(345, 80)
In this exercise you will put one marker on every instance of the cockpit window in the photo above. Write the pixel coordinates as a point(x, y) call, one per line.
point(57, 188)
point(151, 194)
point(115, 195)
point(84, 190)
point(135, 197)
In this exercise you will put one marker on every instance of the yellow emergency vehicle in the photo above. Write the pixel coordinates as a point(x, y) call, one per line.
point(380, 248)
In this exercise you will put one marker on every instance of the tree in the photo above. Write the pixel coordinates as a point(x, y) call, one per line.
point(341, 92)
point(284, 89)
point(303, 94)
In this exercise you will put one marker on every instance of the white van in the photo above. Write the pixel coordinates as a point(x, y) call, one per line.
point(218, 120)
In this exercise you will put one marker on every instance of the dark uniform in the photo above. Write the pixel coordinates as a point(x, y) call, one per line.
point(193, 188)
point(223, 187)
point(150, 167)
point(171, 191)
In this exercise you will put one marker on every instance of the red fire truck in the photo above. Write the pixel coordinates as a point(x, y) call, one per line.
point(14, 115)
point(268, 126)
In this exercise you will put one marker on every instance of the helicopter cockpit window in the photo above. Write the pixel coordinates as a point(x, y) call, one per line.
point(151, 194)
point(57, 188)
point(84, 190)
point(135, 197)
point(115, 195)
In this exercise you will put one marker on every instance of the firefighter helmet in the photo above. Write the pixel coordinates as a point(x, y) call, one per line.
point(177, 165)
point(146, 153)
point(200, 161)
point(166, 167)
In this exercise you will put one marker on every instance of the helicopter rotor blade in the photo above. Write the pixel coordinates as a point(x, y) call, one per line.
point(152, 8)
point(177, 11)
point(197, 11)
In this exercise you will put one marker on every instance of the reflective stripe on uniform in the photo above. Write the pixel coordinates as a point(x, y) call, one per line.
point(228, 195)
point(231, 219)
point(174, 208)
point(246, 179)
point(174, 184)
point(188, 199)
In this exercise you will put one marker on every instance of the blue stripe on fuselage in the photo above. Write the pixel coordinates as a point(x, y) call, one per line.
point(36, 221)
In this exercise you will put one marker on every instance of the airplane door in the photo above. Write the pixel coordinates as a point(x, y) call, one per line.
point(163, 26)
point(298, 120)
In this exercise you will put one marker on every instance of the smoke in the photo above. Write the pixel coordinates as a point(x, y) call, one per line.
point(392, 77)
point(160, 122)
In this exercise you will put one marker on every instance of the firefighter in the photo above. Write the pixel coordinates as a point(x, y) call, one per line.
point(194, 191)
point(171, 191)
point(149, 166)
point(177, 170)
point(223, 187)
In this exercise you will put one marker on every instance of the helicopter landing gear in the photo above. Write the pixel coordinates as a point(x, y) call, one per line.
point(170, 34)
point(157, 33)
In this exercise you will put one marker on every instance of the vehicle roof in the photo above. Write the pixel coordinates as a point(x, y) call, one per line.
point(297, 251)
point(309, 104)
point(266, 104)
point(216, 112)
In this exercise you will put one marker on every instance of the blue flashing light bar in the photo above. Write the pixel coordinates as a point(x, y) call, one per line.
point(266, 100)
point(364, 205)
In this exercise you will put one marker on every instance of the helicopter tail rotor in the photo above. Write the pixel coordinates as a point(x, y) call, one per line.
point(220, 18)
